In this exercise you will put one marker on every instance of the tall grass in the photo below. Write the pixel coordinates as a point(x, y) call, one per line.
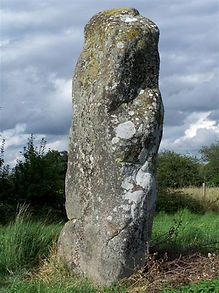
point(39, 286)
point(24, 242)
point(185, 232)
point(210, 201)
point(211, 193)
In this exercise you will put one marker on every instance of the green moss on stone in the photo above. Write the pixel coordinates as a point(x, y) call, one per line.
point(132, 34)
point(114, 11)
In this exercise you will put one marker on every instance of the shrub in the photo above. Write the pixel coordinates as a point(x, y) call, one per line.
point(175, 170)
point(210, 170)
point(37, 180)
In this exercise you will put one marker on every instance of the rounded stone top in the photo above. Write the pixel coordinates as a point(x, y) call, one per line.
point(118, 17)
point(120, 11)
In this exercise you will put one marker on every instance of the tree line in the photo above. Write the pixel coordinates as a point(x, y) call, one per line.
point(176, 171)
point(38, 179)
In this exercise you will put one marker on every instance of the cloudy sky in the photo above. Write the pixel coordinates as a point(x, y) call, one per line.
point(41, 41)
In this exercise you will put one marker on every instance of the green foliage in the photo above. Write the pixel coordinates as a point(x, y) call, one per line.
point(210, 286)
point(185, 232)
point(37, 180)
point(175, 170)
point(6, 186)
point(210, 155)
point(24, 242)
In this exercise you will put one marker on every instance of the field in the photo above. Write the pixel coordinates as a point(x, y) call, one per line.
point(211, 193)
point(183, 253)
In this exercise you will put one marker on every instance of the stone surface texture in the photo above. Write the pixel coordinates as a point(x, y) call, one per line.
point(114, 139)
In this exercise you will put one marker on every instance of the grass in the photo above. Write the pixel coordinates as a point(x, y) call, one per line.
point(201, 287)
point(172, 200)
point(185, 232)
point(212, 193)
point(29, 263)
point(211, 199)
point(39, 286)
point(24, 242)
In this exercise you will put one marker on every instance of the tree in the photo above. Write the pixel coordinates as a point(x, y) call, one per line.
point(175, 170)
point(6, 187)
point(210, 156)
point(38, 179)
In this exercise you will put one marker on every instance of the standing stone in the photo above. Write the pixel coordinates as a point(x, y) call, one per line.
point(114, 139)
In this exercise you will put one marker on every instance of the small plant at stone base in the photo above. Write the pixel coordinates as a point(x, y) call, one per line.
point(170, 236)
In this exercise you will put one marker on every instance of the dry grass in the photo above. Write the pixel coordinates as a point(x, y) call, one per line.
point(157, 273)
point(211, 199)
point(212, 193)
point(184, 270)
point(51, 268)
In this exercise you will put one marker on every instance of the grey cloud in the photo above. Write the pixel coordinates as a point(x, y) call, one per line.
point(36, 100)
point(174, 117)
point(42, 41)
point(204, 137)
point(214, 115)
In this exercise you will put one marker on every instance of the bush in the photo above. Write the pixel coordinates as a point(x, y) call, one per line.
point(37, 180)
point(210, 170)
point(175, 170)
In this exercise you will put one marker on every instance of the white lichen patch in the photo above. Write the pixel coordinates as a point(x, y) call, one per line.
point(115, 140)
point(120, 45)
point(91, 159)
point(127, 184)
point(129, 19)
point(135, 199)
point(125, 207)
point(114, 86)
point(143, 179)
point(131, 113)
point(125, 130)
point(140, 129)
point(140, 91)
point(109, 218)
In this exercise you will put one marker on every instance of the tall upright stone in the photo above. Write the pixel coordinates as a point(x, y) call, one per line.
point(114, 139)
